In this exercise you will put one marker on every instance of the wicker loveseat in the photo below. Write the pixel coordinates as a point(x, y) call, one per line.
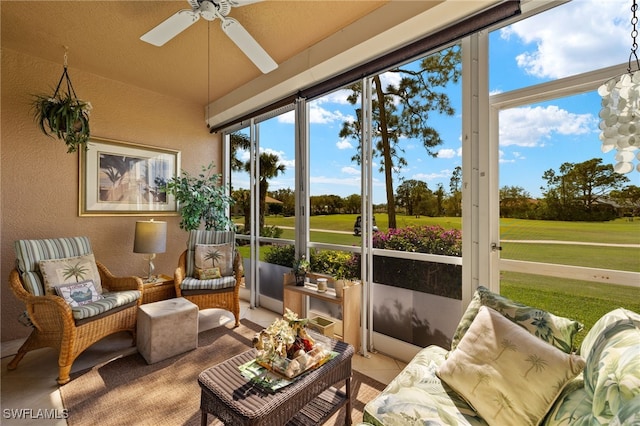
point(70, 328)
point(211, 292)
point(601, 386)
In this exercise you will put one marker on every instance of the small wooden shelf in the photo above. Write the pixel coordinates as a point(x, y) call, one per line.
point(294, 298)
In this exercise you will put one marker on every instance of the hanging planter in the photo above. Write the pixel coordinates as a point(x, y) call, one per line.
point(63, 115)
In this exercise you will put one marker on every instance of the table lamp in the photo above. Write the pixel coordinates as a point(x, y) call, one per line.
point(150, 238)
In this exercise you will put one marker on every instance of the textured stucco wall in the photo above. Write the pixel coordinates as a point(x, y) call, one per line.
point(39, 180)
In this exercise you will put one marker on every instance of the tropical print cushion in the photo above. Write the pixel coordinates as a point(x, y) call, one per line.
point(553, 329)
point(69, 270)
point(210, 256)
point(418, 397)
point(611, 392)
point(493, 362)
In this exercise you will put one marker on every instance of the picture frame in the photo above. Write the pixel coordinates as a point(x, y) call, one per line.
point(123, 178)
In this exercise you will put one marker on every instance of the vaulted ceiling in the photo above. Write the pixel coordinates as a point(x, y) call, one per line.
point(309, 39)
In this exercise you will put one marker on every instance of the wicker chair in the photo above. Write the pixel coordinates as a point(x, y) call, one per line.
point(55, 323)
point(223, 292)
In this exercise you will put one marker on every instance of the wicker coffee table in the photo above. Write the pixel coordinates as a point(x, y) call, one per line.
point(310, 400)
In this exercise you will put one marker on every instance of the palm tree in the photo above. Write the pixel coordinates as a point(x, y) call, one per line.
point(506, 345)
point(213, 256)
point(482, 378)
point(268, 164)
point(77, 271)
point(269, 168)
point(536, 362)
point(503, 402)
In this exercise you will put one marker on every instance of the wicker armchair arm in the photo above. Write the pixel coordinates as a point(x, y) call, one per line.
point(45, 312)
point(238, 268)
point(180, 273)
point(113, 283)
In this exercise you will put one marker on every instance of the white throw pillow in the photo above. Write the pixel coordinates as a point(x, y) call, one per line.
point(509, 376)
point(77, 294)
point(215, 256)
point(69, 270)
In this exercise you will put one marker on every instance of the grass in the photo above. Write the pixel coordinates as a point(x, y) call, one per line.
point(580, 300)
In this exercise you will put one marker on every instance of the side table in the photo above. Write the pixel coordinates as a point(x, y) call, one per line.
point(160, 289)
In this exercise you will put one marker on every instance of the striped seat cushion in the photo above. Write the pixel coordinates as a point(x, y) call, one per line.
point(108, 302)
point(30, 252)
point(216, 284)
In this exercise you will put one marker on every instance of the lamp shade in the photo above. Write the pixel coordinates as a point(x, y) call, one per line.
point(151, 237)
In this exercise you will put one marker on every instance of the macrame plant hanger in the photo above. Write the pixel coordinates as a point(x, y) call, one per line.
point(65, 77)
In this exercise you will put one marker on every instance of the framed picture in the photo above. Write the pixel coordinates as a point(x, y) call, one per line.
point(121, 178)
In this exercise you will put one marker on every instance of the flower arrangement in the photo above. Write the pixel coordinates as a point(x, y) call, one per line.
point(286, 348)
point(301, 266)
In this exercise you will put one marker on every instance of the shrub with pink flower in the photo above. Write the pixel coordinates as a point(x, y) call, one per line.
point(432, 239)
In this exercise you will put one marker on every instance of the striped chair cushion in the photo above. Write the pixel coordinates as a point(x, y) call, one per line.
point(216, 284)
point(108, 302)
point(30, 252)
point(205, 237)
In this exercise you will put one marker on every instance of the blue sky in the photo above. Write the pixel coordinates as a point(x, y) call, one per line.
point(580, 36)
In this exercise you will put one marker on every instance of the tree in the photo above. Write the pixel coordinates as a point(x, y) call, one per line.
point(515, 202)
point(573, 193)
point(628, 198)
point(268, 165)
point(403, 111)
point(413, 194)
point(269, 168)
point(455, 186)
point(352, 204)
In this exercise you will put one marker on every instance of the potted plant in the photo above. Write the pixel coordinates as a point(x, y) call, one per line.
point(63, 115)
point(202, 200)
point(301, 267)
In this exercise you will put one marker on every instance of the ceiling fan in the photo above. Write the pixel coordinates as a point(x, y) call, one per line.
point(210, 10)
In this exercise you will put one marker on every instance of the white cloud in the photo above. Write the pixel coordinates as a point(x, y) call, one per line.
point(449, 153)
point(432, 176)
point(532, 126)
point(349, 170)
point(344, 144)
point(575, 37)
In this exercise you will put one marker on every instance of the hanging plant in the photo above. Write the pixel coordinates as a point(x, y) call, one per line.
point(63, 115)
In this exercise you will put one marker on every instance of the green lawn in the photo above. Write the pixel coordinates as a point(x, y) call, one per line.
point(580, 300)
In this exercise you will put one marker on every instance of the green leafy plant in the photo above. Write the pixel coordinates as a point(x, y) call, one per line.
point(301, 265)
point(202, 200)
point(65, 117)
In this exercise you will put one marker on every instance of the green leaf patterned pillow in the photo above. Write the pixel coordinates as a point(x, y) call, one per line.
point(553, 329)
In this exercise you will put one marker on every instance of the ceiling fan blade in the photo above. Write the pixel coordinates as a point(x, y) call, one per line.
point(248, 45)
point(171, 27)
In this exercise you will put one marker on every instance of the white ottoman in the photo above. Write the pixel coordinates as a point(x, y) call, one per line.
point(167, 328)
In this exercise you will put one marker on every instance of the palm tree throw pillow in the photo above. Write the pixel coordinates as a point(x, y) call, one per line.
point(70, 270)
point(506, 373)
point(210, 256)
